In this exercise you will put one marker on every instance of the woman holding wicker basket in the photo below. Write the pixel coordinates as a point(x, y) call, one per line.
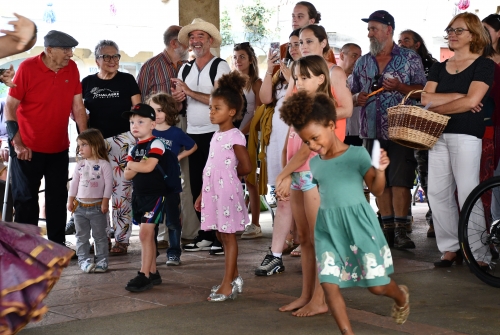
point(457, 88)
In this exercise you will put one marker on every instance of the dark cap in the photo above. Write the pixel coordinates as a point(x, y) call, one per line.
point(143, 110)
point(59, 39)
point(383, 17)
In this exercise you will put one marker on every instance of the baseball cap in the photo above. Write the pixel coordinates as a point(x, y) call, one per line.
point(140, 109)
point(382, 16)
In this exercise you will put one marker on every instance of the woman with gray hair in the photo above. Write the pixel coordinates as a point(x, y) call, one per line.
point(107, 94)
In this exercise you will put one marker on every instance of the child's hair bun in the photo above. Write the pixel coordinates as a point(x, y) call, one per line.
point(233, 81)
point(230, 88)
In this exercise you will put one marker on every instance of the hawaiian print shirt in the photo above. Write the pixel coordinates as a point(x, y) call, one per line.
point(405, 65)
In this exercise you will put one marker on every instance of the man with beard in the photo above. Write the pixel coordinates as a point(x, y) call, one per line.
point(392, 72)
point(156, 76)
point(411, 40)
point(195, 81)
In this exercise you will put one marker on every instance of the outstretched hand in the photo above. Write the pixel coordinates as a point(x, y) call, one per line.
point(7, 76)
point(24, 31)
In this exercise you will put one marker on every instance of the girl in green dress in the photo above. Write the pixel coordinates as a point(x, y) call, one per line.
point(350, 247)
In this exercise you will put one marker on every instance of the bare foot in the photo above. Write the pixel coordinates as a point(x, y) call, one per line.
point(312, 308)
point(296, 304)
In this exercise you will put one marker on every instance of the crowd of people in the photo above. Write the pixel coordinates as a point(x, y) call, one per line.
point(312, 125)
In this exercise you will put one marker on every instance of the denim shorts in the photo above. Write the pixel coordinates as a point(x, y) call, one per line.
point(147, 209)
point(302, 181)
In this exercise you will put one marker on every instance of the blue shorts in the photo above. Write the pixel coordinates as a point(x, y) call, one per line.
point(302, 181)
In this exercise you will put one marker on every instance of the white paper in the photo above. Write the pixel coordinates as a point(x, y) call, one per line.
point(376, 154)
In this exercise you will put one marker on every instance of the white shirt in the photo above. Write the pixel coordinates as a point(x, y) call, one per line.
point(198, 118)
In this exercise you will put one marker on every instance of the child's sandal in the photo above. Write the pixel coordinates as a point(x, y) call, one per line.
point(297, 252)
point(119, 249)
point(400, 314)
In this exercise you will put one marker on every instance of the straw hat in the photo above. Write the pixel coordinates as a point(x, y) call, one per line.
point(200, 24)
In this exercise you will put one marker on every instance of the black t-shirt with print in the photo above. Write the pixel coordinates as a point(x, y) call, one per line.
point(482, 69)
point(106, 100)
point(151, 183)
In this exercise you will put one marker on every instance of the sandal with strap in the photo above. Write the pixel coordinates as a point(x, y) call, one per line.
point(288, 247)
point(119, 249)
point(297, 252)
point(400, 314)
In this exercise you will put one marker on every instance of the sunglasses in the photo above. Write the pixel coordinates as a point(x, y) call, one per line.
point(375, 85)
point(242, 44)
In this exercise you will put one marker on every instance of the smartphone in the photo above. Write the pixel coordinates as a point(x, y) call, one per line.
point(275, 50)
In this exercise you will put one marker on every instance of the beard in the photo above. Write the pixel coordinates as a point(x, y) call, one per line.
point(182, 53)
point(376, 46)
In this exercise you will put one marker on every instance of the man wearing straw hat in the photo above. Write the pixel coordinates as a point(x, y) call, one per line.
point(195, 82)
point(381, 79)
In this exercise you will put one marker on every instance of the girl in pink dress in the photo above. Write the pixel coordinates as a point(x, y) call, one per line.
point(221, 201)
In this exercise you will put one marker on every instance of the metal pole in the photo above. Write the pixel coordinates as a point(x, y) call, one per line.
point(7, 187)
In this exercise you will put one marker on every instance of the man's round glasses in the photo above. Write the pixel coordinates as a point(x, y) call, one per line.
point(66, 50)
point(107, 58)
point(457, 31)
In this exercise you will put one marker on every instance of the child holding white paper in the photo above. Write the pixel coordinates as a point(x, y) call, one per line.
point(351, 249)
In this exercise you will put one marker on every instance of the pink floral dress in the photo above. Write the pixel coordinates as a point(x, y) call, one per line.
point(222, 201)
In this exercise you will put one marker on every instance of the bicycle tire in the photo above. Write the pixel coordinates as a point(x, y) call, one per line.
point(484, 236)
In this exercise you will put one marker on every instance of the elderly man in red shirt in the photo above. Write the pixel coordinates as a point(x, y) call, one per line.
point(37, 111)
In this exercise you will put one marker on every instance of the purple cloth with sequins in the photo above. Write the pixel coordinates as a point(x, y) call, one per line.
point(405, 65)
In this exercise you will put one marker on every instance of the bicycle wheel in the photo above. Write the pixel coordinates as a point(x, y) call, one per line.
point(479, 230)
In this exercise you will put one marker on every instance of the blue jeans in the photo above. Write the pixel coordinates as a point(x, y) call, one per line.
point(87, 219)
point(173, 222)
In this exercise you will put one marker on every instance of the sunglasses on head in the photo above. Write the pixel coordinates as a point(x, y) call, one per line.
point(242, 44)
point(375, 85)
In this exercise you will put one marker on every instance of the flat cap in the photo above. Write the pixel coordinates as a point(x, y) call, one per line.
point(56, 38)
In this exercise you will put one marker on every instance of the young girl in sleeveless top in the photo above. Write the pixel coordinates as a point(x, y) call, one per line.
point(351, 249)
point(221, 201)
point(310, 75)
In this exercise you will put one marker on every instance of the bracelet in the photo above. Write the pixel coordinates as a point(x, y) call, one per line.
point(269, 73)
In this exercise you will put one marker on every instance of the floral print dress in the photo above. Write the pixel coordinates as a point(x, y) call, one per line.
point(222, 202)
point(351, 249)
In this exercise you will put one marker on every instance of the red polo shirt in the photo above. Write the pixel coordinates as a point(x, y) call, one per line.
point(46, 101)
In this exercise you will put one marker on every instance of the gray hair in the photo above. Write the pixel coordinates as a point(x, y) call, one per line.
point(103, 44)
point(170, 34)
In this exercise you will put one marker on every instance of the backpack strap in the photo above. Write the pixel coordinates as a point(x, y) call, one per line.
point(187, 69)
point(213, 69)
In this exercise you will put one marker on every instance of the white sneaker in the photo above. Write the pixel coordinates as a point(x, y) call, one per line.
point(101, 266)
point(251, 231)
point(87, 266)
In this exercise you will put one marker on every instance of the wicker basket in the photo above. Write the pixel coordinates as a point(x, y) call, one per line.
point(414, 126)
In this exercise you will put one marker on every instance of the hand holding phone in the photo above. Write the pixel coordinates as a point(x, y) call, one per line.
point(275, 51)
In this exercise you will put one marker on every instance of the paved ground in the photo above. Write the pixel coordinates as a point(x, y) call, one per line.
point(443, 301)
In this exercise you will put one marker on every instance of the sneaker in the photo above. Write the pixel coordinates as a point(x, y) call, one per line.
point(101, 266)
point(251, 231)
point(198, 244)
point(270, 265)
point(155, 278)
point(139, 284)
point(87, 266)
point(216, 248)
point(162, 244)
point(173, 260)
point(70, 227)
point(271, 196)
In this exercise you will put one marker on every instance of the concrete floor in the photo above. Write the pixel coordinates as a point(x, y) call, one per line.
point(443, 301)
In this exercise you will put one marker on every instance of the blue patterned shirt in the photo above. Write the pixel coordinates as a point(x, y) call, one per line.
point(405, 65)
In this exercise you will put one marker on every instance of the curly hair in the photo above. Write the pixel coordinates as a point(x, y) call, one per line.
point(168, 106)
point(94, 139)
point(230, 89)
point(302, 108)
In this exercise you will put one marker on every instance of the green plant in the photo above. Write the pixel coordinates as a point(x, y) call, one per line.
point(225, 28)
point(255, 17)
